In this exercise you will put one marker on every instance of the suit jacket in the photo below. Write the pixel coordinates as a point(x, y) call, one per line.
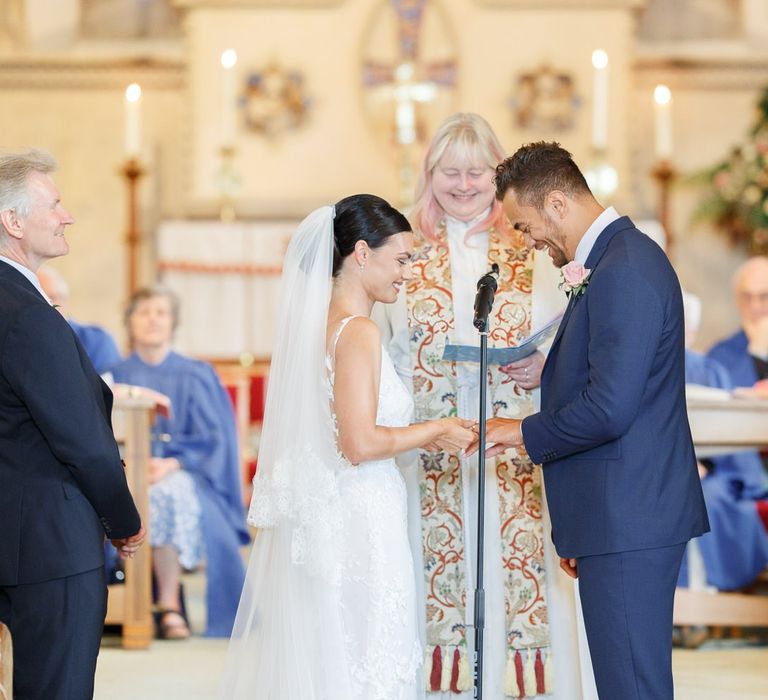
point(732, 354)
point(62, 483)
point(613, 434)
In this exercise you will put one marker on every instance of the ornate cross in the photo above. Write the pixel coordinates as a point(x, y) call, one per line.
point(411, 80)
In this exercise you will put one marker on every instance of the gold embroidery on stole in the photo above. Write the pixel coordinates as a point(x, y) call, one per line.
point(430, 324)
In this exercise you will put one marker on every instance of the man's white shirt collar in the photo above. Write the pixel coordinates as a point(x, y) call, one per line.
point(31, 276)
point(587, 242)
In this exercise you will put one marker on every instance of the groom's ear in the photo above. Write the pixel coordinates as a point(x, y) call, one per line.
point(556, 202)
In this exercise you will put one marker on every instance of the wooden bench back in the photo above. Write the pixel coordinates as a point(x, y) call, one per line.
point(6, 664)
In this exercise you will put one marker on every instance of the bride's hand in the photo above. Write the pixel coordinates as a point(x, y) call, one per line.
point(455, 435)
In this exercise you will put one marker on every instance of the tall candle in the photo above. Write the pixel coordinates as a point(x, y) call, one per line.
point(132, 120)
point(600, 99)
point(228, 96)
point(662, 99)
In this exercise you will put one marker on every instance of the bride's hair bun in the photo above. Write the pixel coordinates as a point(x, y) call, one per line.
point(363, 217)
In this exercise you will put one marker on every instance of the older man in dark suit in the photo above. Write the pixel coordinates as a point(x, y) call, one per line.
point(612, 434)
point(62, 484)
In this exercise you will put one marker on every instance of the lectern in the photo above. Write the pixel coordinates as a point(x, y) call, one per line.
point(130, 603)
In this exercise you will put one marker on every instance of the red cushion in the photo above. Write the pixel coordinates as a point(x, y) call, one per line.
point(258, 386)
point(762, 511)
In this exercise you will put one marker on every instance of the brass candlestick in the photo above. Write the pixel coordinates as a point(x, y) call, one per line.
point(132, 171)
point(664, 174)
point(228, 182)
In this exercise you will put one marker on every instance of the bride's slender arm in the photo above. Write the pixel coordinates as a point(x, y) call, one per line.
point(356, 391)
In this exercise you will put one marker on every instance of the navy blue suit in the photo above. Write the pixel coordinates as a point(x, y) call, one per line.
point(619, 467)
point(62, 489)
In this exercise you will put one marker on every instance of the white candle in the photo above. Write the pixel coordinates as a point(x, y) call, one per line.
point(132, 120)
point(662, 99)
point(600, 100)
point(228, 97)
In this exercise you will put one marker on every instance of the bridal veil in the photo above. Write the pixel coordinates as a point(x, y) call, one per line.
point(288, 641)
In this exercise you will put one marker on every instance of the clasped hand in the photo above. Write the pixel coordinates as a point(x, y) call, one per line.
point(500, 435)
point(128, 546)
point(456, 434)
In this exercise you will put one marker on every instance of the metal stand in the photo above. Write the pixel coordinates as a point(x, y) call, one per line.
point(479, 590)
point(486, 289)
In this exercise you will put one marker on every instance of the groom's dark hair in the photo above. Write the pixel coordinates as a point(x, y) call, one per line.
point(535, 170)
point(363, 217)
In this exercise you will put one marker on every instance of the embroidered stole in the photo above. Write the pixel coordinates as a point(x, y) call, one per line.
point(430, 322)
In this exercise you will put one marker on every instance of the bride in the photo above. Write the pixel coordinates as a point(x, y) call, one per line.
point(328, 610)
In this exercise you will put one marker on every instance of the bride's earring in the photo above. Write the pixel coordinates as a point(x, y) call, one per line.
point(362, 264)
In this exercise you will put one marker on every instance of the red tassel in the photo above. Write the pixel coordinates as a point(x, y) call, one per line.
point(539, 667)
point(437, 670)
point(519, 674)
point(455, 672)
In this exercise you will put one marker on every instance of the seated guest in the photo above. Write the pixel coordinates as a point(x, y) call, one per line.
point(745, 353)
point(735, 550)
point(98, 344)
point(699, 369)
point(196, 506)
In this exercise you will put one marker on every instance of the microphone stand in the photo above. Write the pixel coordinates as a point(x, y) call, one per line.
point(486, 288)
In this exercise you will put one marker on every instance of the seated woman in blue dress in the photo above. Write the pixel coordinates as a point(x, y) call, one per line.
point(196, 506)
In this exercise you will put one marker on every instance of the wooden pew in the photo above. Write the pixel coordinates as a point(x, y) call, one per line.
point(130, 602)
point(719, 427)
point(6, 664)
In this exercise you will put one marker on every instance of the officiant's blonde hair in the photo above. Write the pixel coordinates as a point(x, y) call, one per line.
point(471, 136)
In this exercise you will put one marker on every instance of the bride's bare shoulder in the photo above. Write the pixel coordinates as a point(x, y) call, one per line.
point(360, 334)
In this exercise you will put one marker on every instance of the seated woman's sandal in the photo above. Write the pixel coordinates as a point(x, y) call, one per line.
point(171, 624)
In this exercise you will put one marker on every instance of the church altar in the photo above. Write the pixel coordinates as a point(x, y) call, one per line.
point(227, 276)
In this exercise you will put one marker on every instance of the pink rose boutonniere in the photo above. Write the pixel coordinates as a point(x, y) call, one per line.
point(574, 278)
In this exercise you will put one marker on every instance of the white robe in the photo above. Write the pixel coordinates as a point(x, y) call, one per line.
point(573, 678)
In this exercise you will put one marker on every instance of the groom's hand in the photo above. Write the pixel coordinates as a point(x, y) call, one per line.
point(500, 434)
point(570, 567)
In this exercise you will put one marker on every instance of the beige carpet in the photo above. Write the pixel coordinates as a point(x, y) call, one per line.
point(191, 669)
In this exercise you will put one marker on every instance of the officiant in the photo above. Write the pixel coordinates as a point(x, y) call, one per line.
point(461, 229)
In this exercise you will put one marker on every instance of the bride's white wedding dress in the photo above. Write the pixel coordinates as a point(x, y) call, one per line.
point(328, 608)
point(378, 595)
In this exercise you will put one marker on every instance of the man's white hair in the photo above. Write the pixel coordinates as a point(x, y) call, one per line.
point(15, 169)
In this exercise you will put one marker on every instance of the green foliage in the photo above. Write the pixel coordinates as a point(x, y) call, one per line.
point(737, 201)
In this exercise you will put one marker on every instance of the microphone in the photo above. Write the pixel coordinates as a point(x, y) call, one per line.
point(486, 289)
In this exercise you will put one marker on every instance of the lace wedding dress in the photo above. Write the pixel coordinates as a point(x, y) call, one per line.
point(378, 596)
point(328, 608)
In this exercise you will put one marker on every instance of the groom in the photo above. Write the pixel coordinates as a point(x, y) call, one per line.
point(612, 434)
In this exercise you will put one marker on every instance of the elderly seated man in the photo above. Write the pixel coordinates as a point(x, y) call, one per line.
point(735, 551)
point(99, 345)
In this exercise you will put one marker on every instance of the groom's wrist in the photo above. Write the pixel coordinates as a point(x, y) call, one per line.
point(521, 432)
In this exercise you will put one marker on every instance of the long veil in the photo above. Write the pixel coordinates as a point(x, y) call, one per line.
point(288, 641)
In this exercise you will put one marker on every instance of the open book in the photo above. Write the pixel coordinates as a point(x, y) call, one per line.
point(504, 356)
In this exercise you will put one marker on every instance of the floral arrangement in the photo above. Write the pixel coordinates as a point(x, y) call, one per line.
point(738, 199)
